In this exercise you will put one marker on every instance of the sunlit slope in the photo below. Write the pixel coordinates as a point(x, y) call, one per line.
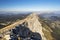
point(34, 25)
point(11, 26)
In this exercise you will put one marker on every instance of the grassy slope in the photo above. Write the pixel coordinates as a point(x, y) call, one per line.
point(47, 33)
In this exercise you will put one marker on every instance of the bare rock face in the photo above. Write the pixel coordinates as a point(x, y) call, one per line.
point(34, 25)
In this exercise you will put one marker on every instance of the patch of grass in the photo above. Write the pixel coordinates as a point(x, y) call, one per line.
point(48, 35)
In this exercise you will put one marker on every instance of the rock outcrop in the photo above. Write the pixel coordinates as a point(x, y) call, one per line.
point(34, 25)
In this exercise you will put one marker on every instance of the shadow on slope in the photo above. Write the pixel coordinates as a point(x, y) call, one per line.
point(24, 33)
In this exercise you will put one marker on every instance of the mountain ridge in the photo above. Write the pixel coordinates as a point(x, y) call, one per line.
point(32, 22)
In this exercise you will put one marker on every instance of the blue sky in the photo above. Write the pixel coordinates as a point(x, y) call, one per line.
point(29, 5)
